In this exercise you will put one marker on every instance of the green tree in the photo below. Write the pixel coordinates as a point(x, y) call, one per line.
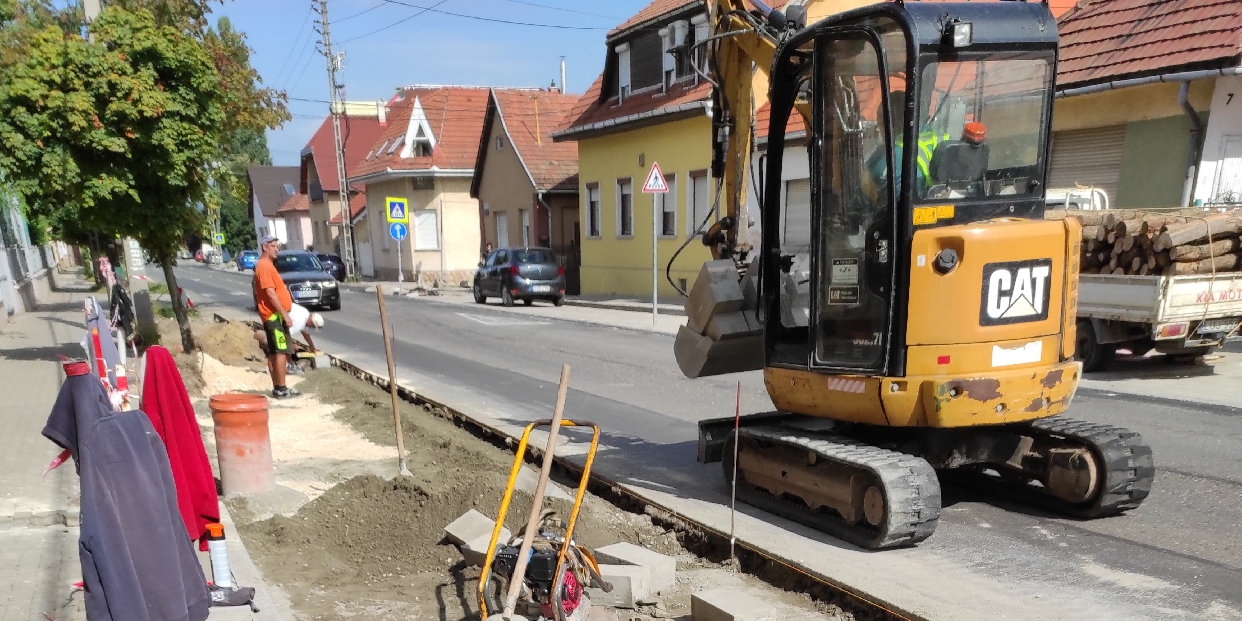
point(121, 133)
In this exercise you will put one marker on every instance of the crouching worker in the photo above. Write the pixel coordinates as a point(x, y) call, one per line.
point(302, 322)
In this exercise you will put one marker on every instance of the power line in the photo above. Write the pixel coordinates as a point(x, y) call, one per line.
point(301, 30)
point(302, 59)
point(396, 23)
point(361, 12)
point(557, 8)
point(493, 19)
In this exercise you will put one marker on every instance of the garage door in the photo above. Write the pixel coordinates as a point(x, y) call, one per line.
point(1087, 158)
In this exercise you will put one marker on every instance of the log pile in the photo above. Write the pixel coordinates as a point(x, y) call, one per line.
point(1169, 241)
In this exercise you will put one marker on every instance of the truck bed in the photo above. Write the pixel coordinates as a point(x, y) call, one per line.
point(1160, 299)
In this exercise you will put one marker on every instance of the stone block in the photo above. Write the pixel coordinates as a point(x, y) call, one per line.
point(716, 290)
point(733, 325)
point(730, 605)
point(475, 551)
point(629, 586)
point(470, 526)
point(663, 568)
point(701, 356)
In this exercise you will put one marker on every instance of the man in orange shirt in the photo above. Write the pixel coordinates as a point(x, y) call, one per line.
point(274, 303)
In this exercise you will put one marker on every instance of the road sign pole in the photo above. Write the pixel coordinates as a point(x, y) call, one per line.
point(655, 259)
point(400, 265)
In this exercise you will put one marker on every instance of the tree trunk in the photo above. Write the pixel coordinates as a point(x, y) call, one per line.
point(183, 319)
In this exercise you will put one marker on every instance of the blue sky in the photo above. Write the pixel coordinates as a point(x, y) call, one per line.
point(429, 48)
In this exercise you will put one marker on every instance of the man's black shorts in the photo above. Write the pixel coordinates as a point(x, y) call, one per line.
point(278, 341)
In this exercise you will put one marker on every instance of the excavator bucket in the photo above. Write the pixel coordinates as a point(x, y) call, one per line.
point(722, 332)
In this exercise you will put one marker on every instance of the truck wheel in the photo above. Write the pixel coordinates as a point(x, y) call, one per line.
point(1093, 355)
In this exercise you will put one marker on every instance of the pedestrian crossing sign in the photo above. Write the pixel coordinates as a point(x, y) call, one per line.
point(655, 181)
point(398, 210)
point(219, 237)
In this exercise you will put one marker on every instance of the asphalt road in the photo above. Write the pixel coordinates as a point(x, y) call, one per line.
point(1179, 556)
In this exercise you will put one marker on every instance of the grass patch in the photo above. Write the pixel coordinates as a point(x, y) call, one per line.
point(157, 288)
point(165, 310)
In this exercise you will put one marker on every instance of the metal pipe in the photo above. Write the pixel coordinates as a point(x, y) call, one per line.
point(1155, 79)
point(1192, 150)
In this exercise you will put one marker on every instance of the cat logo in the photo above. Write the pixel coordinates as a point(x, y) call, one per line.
point(1015, 292)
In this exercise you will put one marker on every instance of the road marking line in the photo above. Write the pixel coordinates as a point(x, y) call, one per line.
point(489, 320)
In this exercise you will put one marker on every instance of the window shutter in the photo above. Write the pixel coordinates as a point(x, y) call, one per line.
point(1087, 157)
point(426, 229)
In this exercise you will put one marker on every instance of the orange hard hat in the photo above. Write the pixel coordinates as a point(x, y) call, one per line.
point(974, 132)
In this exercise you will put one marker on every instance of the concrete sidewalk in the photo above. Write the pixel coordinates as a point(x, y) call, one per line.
point(39, 516)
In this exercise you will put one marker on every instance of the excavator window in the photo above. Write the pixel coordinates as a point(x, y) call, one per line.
point(980, 127)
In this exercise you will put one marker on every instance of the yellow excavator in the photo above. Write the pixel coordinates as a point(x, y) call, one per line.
point(913, 313)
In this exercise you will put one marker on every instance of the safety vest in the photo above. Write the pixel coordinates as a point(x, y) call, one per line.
point(928, 141)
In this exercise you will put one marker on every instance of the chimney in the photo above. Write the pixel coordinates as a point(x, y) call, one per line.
point(381, 110)
point(563, 90)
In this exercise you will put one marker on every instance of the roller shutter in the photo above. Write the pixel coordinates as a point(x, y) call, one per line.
point(1087, 158)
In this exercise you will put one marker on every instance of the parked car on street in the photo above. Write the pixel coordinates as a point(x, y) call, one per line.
point(332, 264)
point(246, 260)
point(308, 283)
point(525, 274)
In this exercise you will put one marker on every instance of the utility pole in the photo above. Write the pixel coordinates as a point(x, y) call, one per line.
point(336, 109)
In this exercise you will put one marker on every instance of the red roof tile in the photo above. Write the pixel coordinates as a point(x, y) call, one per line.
point(1106, 40)
point(358, 134)
point(650, 12)
point(590, 109)
point(357, 204)
point(530, 117)
point(455, 116)
point(294, 203)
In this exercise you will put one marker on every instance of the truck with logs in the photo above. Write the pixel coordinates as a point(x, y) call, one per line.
point(1164, 280)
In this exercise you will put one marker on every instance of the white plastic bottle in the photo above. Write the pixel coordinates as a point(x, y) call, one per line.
point(220, 572)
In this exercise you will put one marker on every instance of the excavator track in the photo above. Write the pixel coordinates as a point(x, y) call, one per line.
point(1125, 479)
point(904, 513)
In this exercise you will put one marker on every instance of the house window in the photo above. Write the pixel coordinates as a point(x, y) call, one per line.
point(666, 204)
point(698, 201)
point(426, 230)
point(667, 41)
point(422, 148)
point(686, 36)
point(524, 214)
point(592, 210)
point(625, 208)
point(623, 71)
point(424, 183)
point(500, 143)
point(396, 143)
point(700, 34)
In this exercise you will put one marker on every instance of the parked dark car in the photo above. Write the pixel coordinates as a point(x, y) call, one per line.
point(525, 274)
point(308, 283)
point(332, 264)
point(246, 260)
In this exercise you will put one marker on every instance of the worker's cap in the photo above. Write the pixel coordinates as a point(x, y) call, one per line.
point(316, 320)
point(267, 239)
point(974, 132)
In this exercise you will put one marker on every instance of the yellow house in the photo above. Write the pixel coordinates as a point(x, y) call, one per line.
point(426, 157)
point(647, 107)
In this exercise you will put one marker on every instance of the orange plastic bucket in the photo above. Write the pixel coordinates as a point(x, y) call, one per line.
point(243, 445)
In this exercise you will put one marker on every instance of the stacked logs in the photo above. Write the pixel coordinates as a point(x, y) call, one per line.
point(1168, 242)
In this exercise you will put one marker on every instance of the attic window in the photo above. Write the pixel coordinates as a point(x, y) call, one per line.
point(422, 149)
point(380, 151)
point(289, 189)
point(623, 71)
point(500, 143)
point(395, 144)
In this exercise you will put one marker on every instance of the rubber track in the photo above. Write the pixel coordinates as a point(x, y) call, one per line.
point(1127, 461)
point(911, 489)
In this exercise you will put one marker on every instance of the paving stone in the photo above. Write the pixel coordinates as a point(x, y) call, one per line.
point(663, 567)
point(470, 526)
point(730, 605)
point(716, 290)
point(629, 586)
point(475, 550)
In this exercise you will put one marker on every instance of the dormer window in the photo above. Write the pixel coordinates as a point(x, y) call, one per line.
point(623, 71)
point(670, 63)
point(418, 141)
point(700, 34)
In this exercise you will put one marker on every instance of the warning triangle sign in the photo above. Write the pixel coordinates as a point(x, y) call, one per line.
point(655, 181)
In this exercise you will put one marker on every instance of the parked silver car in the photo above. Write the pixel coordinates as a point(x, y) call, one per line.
point(525, 274)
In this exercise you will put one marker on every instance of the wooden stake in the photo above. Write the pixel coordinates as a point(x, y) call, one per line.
point(536, 505)
point(392, 384)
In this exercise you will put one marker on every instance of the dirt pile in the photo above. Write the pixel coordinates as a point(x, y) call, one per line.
point(230, 342)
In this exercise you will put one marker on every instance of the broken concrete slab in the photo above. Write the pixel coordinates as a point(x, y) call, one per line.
point(470, 526)
point(629, 586)
point(474, 552)
point(663, 568)
point(716, 290)
point(602, 613)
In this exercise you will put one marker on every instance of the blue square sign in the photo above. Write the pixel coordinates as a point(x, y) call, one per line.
point(398, 210)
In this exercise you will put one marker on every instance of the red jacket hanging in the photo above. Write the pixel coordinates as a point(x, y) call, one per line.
point(167, 404)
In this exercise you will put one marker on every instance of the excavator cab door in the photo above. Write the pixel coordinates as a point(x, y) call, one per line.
point(833, 301)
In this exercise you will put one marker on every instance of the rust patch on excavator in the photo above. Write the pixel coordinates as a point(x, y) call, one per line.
point(1035, 406)
point(983, 389)
point(1053, 378)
